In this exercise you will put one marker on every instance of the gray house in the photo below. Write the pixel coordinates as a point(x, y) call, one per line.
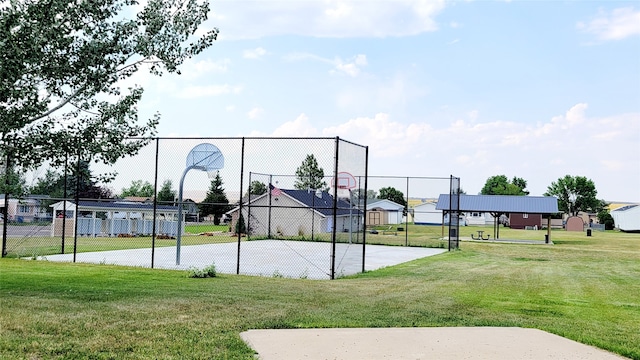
point(283, 212)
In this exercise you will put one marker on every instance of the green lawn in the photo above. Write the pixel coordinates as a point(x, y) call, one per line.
point(584, 288)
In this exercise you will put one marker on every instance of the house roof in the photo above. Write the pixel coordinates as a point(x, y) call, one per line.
point(322, 204)
point(625, 208)
point(384, 204)
point(503, 203)
point(116, 206)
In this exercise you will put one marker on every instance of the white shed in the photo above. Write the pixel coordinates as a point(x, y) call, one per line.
point(426, 214)
point(383, 212)
point(627, 218)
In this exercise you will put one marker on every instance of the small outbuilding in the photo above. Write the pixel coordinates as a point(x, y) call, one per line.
point(627, 218)
point(384, 212)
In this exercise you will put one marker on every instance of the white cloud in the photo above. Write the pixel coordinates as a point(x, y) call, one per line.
point(599, 148)
point(195, 69)
point(254, 53)
point(300, 127)
point(338, 19)
point(351, 66)
point(255, 113)
point(618, 24)
point(210, 90)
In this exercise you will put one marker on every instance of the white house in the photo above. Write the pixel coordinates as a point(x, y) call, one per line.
point(24, 210)
point(627, 218)
point(384, 212)
point(478, 218)
point(284, 212)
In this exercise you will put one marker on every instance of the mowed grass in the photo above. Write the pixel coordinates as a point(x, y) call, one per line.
point(584, 288)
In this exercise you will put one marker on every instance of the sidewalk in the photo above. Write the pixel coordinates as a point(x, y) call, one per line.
point(453, 343)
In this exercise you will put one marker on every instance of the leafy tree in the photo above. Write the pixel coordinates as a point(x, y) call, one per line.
point(12, 181)
point(241, 227)
point(359, 194)
point(51, 184)
point(62, 66)
point(138, 188)
point(82, 182)
point(604, 217)
point(166, 193)
point(392, 194)
point(216, 201)
point(309, 175)
point(500, 185)
point(257, 188)
point(575, 194)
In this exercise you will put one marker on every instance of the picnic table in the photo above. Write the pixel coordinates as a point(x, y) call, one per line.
point(480, 236)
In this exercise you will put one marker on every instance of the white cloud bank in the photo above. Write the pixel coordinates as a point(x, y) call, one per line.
point(618, 24)
point(602, 149)
point(240, 19)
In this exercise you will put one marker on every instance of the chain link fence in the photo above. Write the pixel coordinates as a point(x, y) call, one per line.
point(290, 207)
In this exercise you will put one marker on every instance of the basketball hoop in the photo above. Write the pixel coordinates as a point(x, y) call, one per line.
point(345, 181)
point(204, 157)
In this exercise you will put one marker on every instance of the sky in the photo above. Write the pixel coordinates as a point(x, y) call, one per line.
point(533, 89)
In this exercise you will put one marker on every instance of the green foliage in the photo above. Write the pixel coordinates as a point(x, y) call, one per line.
point(257, 188)
point(575, 194)
point(500, 185)
point(309, 175)
point(12, 181)
point(241, 227)
point(60, 86)
point(216, 201)
point(207, 272)
point(138, 188)
point(82, 181)
point(393, 194)
point(359, 194)
point(604, 217)
point(166, 193)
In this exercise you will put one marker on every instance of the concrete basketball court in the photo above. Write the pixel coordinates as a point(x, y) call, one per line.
point(481, 343)
point(291, 259)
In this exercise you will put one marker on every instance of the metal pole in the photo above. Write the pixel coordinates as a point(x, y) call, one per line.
point(406, 219)
point(75, 219)
point(64, 199)
point(364, 215)
point(155, 207)
point(5, 212)
point(179, 234)
point(240, 207)
point(335, 210)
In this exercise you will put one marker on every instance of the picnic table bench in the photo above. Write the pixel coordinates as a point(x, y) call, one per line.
point(480, 237)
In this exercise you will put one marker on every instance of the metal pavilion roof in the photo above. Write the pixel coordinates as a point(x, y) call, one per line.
point(502, 203)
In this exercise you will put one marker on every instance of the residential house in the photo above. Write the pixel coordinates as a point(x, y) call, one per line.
point(284, 212)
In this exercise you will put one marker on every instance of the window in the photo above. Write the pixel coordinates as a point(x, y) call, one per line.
point(525, 216)
point(23, 209)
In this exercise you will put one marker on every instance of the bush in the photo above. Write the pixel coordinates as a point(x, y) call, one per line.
point(207, 272)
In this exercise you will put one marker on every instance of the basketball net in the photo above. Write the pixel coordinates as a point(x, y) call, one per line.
point(212, 174)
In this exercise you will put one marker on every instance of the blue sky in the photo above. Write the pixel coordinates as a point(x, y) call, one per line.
point(534, 89)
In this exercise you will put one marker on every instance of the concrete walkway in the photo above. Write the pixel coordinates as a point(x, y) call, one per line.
point(455, 343)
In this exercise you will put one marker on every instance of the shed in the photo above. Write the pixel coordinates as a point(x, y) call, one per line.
point(427, 214)
point(627, 218)
point(112, 218)
point(384, 212)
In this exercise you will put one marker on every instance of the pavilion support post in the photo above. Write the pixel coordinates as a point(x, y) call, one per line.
point(548, 239)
